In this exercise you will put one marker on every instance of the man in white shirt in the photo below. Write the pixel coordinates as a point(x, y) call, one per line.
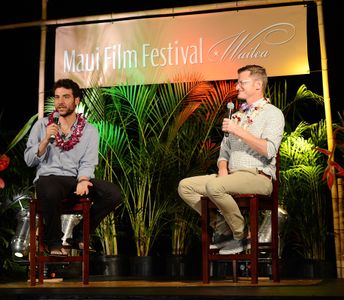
point(247, 158)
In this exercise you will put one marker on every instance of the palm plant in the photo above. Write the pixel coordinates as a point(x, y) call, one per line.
point(184, 222)
point(303, 99)
point(302, 189)
point(107, 229)
point(107, 232)
point(140, 131)
point(302, 192)
point(95, 108)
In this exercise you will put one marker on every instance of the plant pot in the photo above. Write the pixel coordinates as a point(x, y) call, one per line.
point(110, 265)
point(176, 266)
point(319, 269)
point(141, 266)
point(220, 269)
point(308, 268)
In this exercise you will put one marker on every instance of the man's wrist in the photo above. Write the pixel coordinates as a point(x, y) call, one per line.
point(83, 179)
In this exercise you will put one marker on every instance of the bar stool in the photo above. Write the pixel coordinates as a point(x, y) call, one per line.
point(37, 257)
point(252, 203)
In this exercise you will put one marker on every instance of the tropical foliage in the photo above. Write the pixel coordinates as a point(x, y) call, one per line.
point(143, 131)
point(184, 225)
point(303, 194)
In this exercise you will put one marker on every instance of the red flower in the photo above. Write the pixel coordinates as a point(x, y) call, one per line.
point(4, 162)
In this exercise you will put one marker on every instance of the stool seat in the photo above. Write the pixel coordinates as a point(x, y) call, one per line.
point(37, 256)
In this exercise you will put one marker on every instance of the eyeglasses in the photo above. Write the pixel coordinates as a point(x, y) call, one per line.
point(243, 82)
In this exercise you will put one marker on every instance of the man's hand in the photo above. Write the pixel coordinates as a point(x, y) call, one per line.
point(82, 187)
point(229, 126)
point(52, 129)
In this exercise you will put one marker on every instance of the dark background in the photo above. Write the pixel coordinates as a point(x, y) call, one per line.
point(20, 50)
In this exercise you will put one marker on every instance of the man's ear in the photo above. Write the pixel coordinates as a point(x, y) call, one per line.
point(258, 84)
point(77, 101)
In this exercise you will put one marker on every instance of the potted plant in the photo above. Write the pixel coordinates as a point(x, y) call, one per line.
point(110, 262)
point(143, 132)
point(184, 228)
point(304, 196)
point(141, 158)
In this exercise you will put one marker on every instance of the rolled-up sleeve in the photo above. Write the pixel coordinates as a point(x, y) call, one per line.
point(35, 137)
point(273, 132)
point(89, 159)
point(224, 151)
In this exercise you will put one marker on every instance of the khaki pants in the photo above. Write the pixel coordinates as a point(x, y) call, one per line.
point(220, 189)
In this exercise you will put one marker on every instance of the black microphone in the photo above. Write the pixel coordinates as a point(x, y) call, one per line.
point(56, 116)
point(230, 106)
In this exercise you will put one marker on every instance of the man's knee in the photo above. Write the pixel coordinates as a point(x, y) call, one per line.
point(113, 194)
point(212, 187)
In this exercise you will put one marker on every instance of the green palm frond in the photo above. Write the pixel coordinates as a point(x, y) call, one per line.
point(22, 133)
point(277, 93)
point(303, 94)
point(94, 102)
point(302, 189)
point(49, 105)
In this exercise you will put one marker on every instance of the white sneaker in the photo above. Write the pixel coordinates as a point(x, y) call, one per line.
point(220, 241)
point(236, 246)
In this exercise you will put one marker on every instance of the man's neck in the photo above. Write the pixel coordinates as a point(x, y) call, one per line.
point(254, 99)
point(69, 119)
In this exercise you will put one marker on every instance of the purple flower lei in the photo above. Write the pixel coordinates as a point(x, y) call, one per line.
point(76, 134)
point(245, 107)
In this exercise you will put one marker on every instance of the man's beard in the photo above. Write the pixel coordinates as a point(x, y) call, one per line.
point(67, 113)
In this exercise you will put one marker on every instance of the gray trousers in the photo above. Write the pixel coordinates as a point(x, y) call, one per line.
point(220, 189)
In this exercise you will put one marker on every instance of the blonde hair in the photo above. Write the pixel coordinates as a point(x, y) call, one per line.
point(257, 71)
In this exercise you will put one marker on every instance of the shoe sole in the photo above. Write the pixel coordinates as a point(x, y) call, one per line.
point(219, 245)
point(216, 246)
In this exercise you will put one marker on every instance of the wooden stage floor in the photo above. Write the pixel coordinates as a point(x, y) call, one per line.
point(101, 288)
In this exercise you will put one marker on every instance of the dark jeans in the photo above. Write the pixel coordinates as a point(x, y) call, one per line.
point(51, 190)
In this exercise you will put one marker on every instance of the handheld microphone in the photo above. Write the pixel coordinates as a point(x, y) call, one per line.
point(230, 106)
point(56, 116)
